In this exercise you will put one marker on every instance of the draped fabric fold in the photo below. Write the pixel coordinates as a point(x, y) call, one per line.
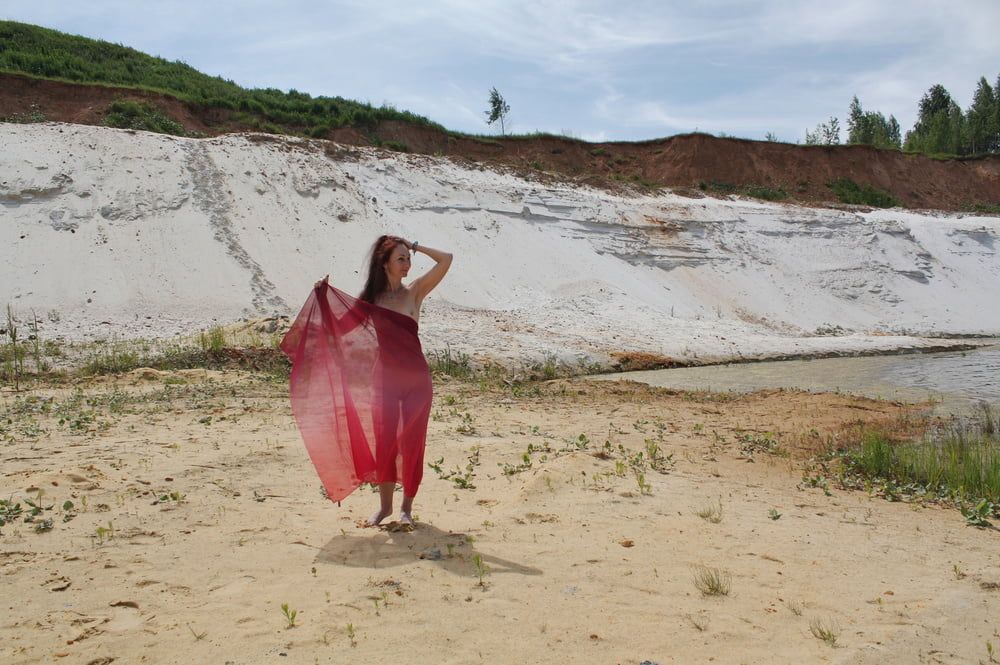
point(360, 391)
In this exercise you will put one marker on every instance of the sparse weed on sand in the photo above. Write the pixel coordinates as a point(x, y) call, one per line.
point(712, 581)
point(711, 512)
point(480, 568)
point(824, 630)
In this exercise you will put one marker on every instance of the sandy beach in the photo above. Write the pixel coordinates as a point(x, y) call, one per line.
point(563, 521)
point(561, 525)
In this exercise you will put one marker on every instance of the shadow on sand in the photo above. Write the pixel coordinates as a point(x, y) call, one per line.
point(383, 549)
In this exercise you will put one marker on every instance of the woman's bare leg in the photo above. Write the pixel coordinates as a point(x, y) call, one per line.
point(385, 491)
point(406, 511)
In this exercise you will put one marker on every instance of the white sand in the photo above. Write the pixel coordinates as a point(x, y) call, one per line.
point(117, 233)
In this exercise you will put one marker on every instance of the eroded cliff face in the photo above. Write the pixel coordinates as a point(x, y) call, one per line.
point(685, 160)
point(109, 232)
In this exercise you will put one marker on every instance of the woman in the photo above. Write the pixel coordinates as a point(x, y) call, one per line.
point(360, 387)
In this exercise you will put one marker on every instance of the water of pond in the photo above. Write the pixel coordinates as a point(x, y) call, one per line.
point(956, 380)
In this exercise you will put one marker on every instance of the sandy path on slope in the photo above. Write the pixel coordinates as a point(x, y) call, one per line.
point(580, 566)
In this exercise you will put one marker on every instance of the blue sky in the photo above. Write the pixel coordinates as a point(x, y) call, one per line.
point(595, 70)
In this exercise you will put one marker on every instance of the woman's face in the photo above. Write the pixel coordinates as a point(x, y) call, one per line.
point(398, 263)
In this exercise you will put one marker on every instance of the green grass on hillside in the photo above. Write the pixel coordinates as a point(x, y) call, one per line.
point(28, 49)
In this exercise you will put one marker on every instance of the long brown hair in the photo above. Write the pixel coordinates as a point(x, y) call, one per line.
point(378, 281)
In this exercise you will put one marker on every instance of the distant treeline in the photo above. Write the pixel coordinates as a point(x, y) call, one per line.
point(29, 49)
point(941, 128)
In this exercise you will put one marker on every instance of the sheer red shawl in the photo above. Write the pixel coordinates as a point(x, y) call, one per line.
point(357, 371)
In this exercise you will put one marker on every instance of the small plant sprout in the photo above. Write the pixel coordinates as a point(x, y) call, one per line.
point(350, 634)
point(824, 630)
point(989, 651)
point(977, 515)
point(959, 574)
point(644, 487)
point(481, 569)
point(774, 514)
point(712, 581)
point(105, 533)
point(290, 615)
point(197, 636)
point(795, 608)
point(712, 512)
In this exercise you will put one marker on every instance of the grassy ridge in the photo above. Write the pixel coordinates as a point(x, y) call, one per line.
point(28, 49)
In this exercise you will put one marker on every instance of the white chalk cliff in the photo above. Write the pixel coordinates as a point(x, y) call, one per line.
point(110, 232)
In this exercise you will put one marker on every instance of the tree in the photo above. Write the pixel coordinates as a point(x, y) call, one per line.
point(855, 122)
point(939, 127)
point(499, 109)
point(871, 128)
point(979, 119)
point(894, 136)
point(826, 133)
point(996, 117)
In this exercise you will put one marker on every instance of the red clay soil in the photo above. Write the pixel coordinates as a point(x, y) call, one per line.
point(687, 160)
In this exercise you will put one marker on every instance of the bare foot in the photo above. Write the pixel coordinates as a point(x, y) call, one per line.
point(405, 519)
point(377, 517)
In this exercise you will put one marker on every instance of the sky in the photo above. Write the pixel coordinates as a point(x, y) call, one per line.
point(596, 70)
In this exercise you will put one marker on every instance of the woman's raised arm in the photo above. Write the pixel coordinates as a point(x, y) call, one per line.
point(426, 282)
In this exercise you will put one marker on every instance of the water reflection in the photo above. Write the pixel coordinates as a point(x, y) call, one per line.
point(955, 379)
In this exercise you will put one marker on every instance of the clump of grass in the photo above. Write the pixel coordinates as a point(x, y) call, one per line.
point(848, 191)
point(712, 581)
point(12, 352)
point(127, 114)
point(959, 464)
point(451, 363)
point(214, 340)
point(824, 630)
point(712, 512)
point(984, 208)
point(766, 193)
point(116, 358)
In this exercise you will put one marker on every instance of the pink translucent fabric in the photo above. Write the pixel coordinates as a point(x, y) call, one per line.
point(360, 391)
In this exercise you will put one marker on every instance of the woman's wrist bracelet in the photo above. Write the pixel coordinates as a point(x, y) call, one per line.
point(413, 245)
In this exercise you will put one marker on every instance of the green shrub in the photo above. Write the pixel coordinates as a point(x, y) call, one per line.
point(851, 192)
point(127, 114)
point(766, 193)
point(319, 131)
